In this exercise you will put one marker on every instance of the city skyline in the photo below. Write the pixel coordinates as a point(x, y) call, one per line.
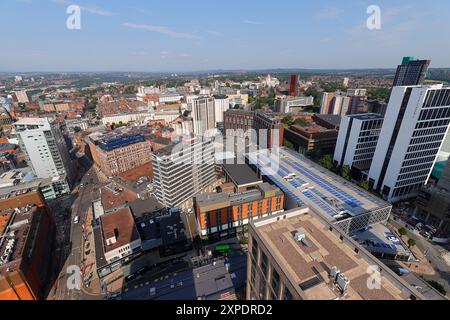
point(181, 37)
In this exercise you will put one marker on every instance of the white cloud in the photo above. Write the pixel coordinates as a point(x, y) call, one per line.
point(88, 8)
point(252, 22)
point(328, 13)
point(161, 29)
point(215, 33)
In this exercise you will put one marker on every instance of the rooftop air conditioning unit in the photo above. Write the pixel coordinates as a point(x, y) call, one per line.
point(299, 236)
point(343, 283)
point(334, 273)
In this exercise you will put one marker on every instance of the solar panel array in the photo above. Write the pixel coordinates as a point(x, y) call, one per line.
point(307, 185)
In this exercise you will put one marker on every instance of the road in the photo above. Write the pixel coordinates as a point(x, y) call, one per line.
point(433, 253)
point(71, 246)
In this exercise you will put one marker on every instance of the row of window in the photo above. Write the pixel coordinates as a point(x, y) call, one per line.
point(422, 154)
point(433, 114)
point(430, 124)
point(424, 146)
point(413, 181)
point(427, 139)
point(428, 132)
point(416, 168)
point(436, 98)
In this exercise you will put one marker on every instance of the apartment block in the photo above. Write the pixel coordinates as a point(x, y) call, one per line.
point(414, 129)
point(295, 255)
point(288, 104)
point(118, 153)
point(357, 141)
point(183, 170)
point(411, 72)
point(203, 115)
point(223, 215)
point(317, 138)
point(221, 105)
point(26, 239)
point(45, 148)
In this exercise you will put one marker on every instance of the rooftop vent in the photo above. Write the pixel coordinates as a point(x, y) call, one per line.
point(343, 283)
point(301, 237)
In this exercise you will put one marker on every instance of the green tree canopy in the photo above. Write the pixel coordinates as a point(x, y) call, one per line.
point(327, 162)
point(403, 231)
point(411, 243)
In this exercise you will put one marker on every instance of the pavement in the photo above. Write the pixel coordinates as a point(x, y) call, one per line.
point(430, 254)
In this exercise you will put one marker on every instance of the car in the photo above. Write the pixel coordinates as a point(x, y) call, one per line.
point(76, 220)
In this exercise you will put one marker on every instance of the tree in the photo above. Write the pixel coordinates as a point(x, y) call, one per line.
point(288, 120)
point(311, 91)
point(130, 90)
point(77, 129)
point(327, 162)
point(345, 173)
point(380, 94)
point(301, 122)
point(411, 243)
point(365, 185)
point(403, 231)
point(289, 144)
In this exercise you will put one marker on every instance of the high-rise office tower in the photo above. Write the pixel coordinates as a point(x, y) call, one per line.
point(293, 86)
point(45, 148)
point(415, 126)
point(357, 140)
point(411, 72)
point(221, 104)
point(203, 115)
point(183, 170)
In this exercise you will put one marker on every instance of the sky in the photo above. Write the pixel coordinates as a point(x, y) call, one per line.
point(198, 35)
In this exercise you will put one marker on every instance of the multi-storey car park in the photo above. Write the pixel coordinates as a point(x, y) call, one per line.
point(308, 184)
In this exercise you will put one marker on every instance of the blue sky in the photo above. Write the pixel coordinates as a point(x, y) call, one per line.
point(180, 35)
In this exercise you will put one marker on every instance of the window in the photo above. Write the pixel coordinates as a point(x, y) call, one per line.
point(264, 264)
point(287, 294)
point(275, 282)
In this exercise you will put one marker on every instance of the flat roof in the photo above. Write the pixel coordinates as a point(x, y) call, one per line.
point(241, 174)
point(330, 118)
point(314, 185)
point(380, 239)
point(121, 225)
point(211, 201)
point(32, 121)
point(114, 196)
point(307, 264)
point(141, 207)
point(17, 232)
point(367, 116)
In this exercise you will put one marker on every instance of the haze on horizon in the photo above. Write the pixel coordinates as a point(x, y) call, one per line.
point(181, 36)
